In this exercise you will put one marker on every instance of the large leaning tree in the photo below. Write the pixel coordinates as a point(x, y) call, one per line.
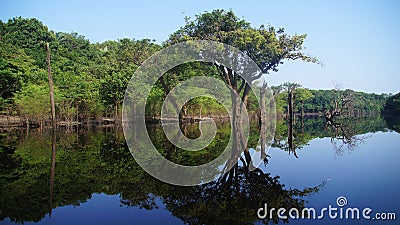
point(266, 46)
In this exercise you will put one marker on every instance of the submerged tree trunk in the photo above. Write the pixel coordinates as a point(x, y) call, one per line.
point(291, 120)
point(52, 171)
point(239, 142)
point(263, 123)
point(292, 147)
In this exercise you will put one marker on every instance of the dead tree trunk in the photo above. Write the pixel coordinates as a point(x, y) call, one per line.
point(291, 89)
point(343, 102)
point(53, 110)
point(290, 119)
point(53, 122)
point(290, 104)
point(263, 110)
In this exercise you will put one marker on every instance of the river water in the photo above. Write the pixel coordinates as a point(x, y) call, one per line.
point(95, 180)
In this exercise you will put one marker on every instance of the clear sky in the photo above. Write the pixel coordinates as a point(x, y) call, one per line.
point(357, 41)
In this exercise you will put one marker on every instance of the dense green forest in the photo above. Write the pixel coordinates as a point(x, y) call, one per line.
point(392, 105)
point(317, 101)
point(90, 78)
point(391, 112)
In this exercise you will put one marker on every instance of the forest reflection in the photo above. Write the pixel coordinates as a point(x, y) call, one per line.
point(97, 160)
point(345, 133)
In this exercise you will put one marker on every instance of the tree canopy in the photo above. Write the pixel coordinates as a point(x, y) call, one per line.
point(91, 78)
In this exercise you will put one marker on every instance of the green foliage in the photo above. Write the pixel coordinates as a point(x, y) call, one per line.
point(91, 78)
point(16, 69)
point(177, 75)
point(317, 101)
point(265, 45)
point(33, 100)
point(303, 94)
point(391, 112)
point(392, 105)
point(120, 60)
point(28, 34)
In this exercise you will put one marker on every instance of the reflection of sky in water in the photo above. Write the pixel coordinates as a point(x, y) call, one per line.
point(368, 176)
point(107, 209)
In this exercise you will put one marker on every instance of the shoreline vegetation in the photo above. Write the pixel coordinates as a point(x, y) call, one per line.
point(90, 79)
point(21, 122)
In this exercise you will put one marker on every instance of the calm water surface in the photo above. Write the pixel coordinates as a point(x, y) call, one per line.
point(96, 180)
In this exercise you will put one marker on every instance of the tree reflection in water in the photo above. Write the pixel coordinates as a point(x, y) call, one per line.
point(234, 200)
point(344, 135)
point(98, 161)
point(344, 132)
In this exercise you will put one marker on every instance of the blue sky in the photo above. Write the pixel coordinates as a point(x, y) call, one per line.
point(357, 41)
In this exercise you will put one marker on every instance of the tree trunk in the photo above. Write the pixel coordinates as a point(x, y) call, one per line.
point(287, 111)
point(263, 111)
point(291, 139)
point(177, 109)
point(53, 122)
point(290, 128)
point(185, 109)
point(263, 137)
point(116, 112)
point(290, 106)
point(201, 107)
point(52, 171)
point(77, 113)
point(53, 110)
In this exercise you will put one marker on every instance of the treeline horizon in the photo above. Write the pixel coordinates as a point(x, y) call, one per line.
point(90, 78)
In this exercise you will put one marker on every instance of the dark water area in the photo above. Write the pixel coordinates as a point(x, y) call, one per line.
point(93, 178)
